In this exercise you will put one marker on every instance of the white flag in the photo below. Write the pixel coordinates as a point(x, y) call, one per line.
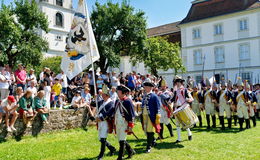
point(81, 44)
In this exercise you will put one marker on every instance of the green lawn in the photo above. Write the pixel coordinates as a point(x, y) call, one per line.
point(83, 145)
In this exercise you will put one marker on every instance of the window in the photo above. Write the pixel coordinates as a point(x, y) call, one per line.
point(244, 52)
point(218, 29)
point(59, 3)
point(197, 57)
point(196, 33)
point(58, 38)
point(219, 55)
point(59, 19)
point(246, 76)
point(243, 24)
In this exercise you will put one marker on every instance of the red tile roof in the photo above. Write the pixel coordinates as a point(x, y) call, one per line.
point(211, 8)
point(163, 30)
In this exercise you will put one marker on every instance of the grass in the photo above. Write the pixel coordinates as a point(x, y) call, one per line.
point(78, 144)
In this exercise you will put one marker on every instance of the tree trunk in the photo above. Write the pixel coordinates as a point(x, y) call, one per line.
point(154, 71)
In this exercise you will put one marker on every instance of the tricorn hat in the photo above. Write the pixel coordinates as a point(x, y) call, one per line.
point(148, 83)
point(123, 88)
point(178, 79)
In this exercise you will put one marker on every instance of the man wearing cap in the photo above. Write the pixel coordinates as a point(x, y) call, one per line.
point(195, 105)
point(181, 97)
point(8, 107)
point(224, 99)
point(124, 120)
point(166, 108)
point(103, 118)
point(242, 100)
point(150, 116)
point(209, 99)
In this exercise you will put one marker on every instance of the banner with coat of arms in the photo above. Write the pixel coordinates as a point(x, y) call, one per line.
point(81, 45)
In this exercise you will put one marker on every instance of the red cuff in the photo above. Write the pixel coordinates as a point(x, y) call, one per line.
point(131, 124)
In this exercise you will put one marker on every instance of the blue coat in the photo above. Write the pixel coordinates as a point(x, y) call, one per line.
point(107, 111)
point(153, 106)
point(128, 111)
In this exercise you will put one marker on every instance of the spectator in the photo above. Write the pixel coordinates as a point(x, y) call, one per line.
point(42, 73)
point(131, 82)
point(47, 89)
point(114, 81)
point(26, 108)
point(85, 79)
point(56, 89)
point(5, 81)
point(113, 94)
point(19, 93)
point(8, 107)
point(99, 96)
point(31, 77)
point(20, 76)
point(100, 82)
point(86, 96)
point(77, 101)
point(64, 82)
point(12, 79)
point(40, 106)
point(33, 88)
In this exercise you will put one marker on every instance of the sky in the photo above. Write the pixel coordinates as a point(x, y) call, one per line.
point(157, 12)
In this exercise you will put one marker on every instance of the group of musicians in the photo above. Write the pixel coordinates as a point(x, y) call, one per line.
point(157, 110)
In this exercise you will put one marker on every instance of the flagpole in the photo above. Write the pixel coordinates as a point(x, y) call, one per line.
point(94, 79)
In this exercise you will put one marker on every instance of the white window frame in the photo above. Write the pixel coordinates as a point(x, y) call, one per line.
point(243, 24)
point(197, 57)
point(218, 29)
point(196, 33)
point(219, 52)
point(243, 56)
point(58, 37)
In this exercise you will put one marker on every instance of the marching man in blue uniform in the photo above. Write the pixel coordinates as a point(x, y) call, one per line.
point(103, 118)
point(124, 120)
point(150, 116)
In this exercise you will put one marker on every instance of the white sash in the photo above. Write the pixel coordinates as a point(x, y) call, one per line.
point(103, 105)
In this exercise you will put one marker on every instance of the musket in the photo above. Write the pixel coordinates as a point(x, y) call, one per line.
point(135, 135)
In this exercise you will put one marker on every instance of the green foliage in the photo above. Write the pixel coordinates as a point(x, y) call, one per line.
point(18, 35)
point(51, 62)
point(79, 144)
point(119, 30)
point(161, 54)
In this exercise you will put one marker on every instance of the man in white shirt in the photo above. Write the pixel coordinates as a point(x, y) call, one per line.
point(5, 81)
point(8, 107)
point(30, 77)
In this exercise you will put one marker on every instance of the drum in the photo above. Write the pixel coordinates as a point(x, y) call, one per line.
point(186, 117)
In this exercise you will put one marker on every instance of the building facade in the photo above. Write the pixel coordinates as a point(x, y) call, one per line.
point(221, 38)
point(60, 14)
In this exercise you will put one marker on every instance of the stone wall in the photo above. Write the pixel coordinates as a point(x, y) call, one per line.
point(58, 120)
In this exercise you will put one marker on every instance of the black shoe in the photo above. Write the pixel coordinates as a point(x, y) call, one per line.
point(177, 141)
point(129, 150)
point(190, 138)
point(130, 155)
point(112, 152)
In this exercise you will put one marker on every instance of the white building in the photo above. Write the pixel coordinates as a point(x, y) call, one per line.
point(227, 33)
point(60, 14)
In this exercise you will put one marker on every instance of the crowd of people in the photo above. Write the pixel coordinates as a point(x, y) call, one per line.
point(121, 98)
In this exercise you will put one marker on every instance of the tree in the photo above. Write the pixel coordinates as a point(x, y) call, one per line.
point(119, 30)
point(161, 54)
point(19, 41)
point(51, 62)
